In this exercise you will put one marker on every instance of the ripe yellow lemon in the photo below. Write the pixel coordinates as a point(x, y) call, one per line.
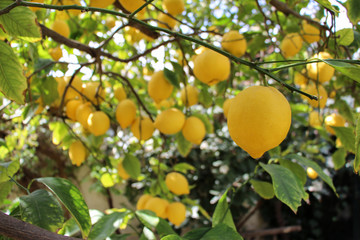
point(334, 120)
point(82, 114)
point(157, 205)
point(98, 123)
point(259, 119)
point(110, 22)
point(176, 213)
point(291, 44)
point(319, 91)
point(70, 2)
point(189, 95)
point(177, 183)
point(101, 3)
point(194, 130)
point(309, 32)
point(56, 53)
point(93, 92)
point(71, 107)
point(132, 5)
point(174, 7)
point(315, 120)
point(320, 70)
point(165, 104)
point(61, 27)
point(120, 93)
point(143, 131)
point(211, 67)
point(311, 173)
point(165, 21)
point(77, 153)
point(122, 172)
point(71, 93)
point(300, 79)
point(142, 201)
point(159, 88)
point(234, 43)
point(170, 121)
point(34, 9)
point(226, 106)
point(125, 113)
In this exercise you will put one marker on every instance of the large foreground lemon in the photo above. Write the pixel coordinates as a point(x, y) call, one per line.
point(259, 119)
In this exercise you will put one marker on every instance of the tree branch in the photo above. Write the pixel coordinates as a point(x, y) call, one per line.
point(272, 231)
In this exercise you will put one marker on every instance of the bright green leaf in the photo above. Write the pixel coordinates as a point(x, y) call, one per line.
point(71, 197)
point(106, 226)
point(327, 4)
point(49, 91)
point(69, 228)
point(59, 131)
point(12, 81)
point(5, 189)
point(298, 170)
point(345, 110)
point(222, 231)
point(163, 228)
point(338, 158)
point(222, 213)
point(8, 169)
point(183, 145)
point(172, 237)
point(172, 77)
point(148, 218)
point(132, 166)
point(345, 36)
point(264, 189)
point(287, 186)
point(346, 136)
point(196, 234)
point(357, 146)
point(42, 209)
point(183, 167)
point(350, 70)
point(353, 11)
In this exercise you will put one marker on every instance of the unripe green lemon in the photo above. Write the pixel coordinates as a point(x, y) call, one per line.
point(177, 183)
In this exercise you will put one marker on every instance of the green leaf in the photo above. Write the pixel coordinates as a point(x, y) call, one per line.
point(183, 145)
point(69, 228)
point(8, 169)
point(59, 131)
point(345, 36)
point(132, 166)
point(205, 97)
point(350, 70)
point(179, 71)
point(338, 158)
point(196, 234)
point(49, 91)
point(327, 4)
point(163, 228)
point(172, 77)
point(222, 231)
point(298, 170)
point(345, 110)
point(5, 189)
point(264, 189)
point(287, 186)
point(357, 145)
point(42, 209)
point(148, 218)
point(172, 237)
point(12, 81)
point(20, 22)
point(353, 11)
point(183, 167)
point(106, 226)
point(71, 197)
point(346, 136)
point(315, 166)
point(222, 213)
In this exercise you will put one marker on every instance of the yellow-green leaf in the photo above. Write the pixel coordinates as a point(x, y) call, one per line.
point(264, 189)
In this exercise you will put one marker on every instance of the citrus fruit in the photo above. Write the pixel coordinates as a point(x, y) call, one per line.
point(189, 95)
point(291, 44)
point(164, 104)
point(157, 205)
point(132, 5)
point(56, 53)
point(110, 22)
point(334, 120)
point(309, 32)
point(320, 70)
point(159, 88)
point(311, 173)
point(101, 3)
point(194, 130)
point(259, 119)
point(300, 79)
point(143, 131)
point(98, 123)
point(71, 93)
point(176, 213)
point(120, 93)
point(70, 2)
point(142, 201)
point(170, 121)
point(234, 43)
point(71, 107)
point(82, 114)
point(226, 106)
point(177, 183)
point(125, 113)
point(77, 153)
point(165, 21)
point(211, 67)
point(319, 91)
point(315, 120)
point(174, 7)
point(107, 180)
point(34, 9)
point(93, 92)
point(61, 27)
point(122, 172)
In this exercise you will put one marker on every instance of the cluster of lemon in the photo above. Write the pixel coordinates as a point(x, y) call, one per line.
point(175, 211)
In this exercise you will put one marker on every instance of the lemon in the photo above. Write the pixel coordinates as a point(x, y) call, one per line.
point(159, 88)
point(82, 114)
point(170, 121)
point(315, 119)
point(142, 201)
point(165, 21)
point(93, 92)
point(77, 153)
point(334, 120)
point(309, 32)
point(234, 43)
point(70, 2)
point(194, 130)
point(226, 106)
point(110, 22)
point(101, 3)
point(120, 93)
point(177, 183)
point(176, 213)
point(56, 53)
point(34, 9)
point(211, 67)
point(300, 79)
point(98, 123)
point(71, 107)
point(132, 5)
point(71, 93)
point(157, 205)
point(125, 113)
point(332, 94)
point(122, 172)
point(143, 131)
point(259, 119)
point(189, 95)
point(61, 27)
point(313, 90)
point(320, 70)
point(291, 44)
point(164, 104)
point(311, 173)
point(40, 107)
point(174, 7)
